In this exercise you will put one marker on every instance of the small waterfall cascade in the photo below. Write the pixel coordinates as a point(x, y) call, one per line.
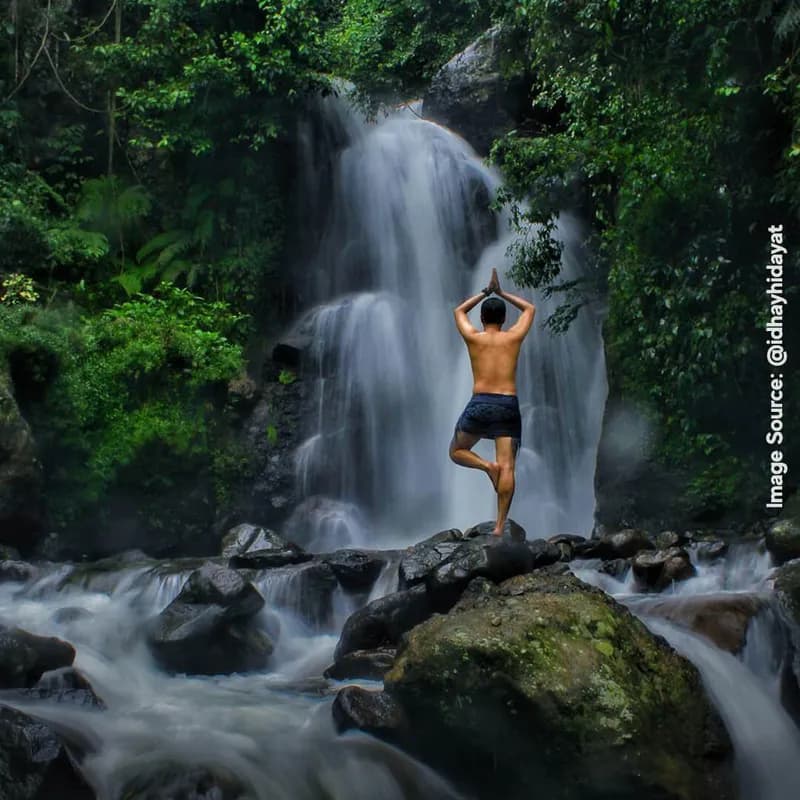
point(747, 688)
point(408, 233)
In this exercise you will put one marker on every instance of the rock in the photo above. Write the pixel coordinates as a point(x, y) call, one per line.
point(616, 567)
point(104, 574)
point(183, 782)
point(566, 543)
point(290, 350)
point(63, 616)
point(486, 557)
point(623, 544)
point(306, 589)
point(471, 95)
point(373, 712)
point(17, 572)
point(355, 569)
point(382, 622)
point(24, 657)
point(21, 518)
point(251, 547)
point(783, 540)
point(511, 529)
point(423, 557)
point(210, 627)
point(711, 551)
point(64, 685)
point(786, 581)
point(722, 618)
point(369, 664)
point(243, 393)
point(34, 763)
point(666, 539)
point(563, 691)
point(660, 569)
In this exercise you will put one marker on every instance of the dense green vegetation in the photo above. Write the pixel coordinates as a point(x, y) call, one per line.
point(147, 150)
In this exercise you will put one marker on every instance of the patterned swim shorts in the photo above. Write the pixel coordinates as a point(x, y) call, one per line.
point(491, 415)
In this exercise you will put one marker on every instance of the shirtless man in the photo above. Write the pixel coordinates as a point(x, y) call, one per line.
point(493, 410)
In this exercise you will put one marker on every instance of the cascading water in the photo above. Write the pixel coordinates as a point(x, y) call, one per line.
point(409, 235)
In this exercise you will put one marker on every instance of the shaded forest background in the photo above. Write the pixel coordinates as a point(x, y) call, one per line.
point(148, 210)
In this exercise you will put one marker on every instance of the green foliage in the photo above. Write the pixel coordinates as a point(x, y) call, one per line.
point(394, 48)
point(286, 376)
point(149, 372)
point(670, 125)
point(17, 289)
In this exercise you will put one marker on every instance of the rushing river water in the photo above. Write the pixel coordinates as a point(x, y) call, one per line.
point(402, 233)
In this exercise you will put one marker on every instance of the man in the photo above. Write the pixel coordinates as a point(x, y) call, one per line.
point(493, 410)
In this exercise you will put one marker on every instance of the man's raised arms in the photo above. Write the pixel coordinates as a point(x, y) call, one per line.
point(523, 324)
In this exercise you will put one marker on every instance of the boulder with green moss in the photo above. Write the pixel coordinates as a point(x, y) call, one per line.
point(783, 539)
point(545, 687)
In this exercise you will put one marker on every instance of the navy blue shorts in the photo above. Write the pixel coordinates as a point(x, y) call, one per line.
point(491, 415)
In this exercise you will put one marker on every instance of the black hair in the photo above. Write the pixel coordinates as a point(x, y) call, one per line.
point(493, 311)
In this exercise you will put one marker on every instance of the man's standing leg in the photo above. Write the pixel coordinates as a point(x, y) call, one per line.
point(505, 447)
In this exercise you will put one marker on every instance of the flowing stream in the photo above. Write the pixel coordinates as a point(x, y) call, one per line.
point(400, 231)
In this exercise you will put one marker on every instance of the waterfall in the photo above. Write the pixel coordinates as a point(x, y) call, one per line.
point(406, 232)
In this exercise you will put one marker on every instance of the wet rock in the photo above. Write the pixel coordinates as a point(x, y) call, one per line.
point(306, 589)
point(243, 393)
point(786, 581)
point(511, 529)
point(104, 574)
point(34, 763)
point(290, 350)
point(17, 572)
point(658, 570)
point(64, 685)
point(251, 547)
point(372, 712)
point(722, 618)
point(210, 627)
point(666, 539)
point(355, 569)
point(711, 551)
point(24, 657)
point(543, 673)
point(184, 782)
point(423, 557)
point(616, 567)
point(21, 518)
point(71, 614)
point(369, 664)
point(783, 540)
point(487, 557)
point(382, 622)
point(472, 95)
point(566, 543)
point(623, 544)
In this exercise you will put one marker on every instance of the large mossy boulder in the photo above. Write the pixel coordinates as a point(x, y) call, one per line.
point(545, 687)
point(783, 539)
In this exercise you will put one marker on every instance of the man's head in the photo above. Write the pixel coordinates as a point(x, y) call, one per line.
point(493, 311)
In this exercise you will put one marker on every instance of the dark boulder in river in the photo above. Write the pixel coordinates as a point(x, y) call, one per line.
point(546, 687)
point(34, 763)
point(24, 657)
point(210, 627)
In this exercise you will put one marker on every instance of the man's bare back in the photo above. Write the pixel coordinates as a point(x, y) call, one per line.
point(493, 410)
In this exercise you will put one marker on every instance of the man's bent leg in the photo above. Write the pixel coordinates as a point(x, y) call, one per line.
point(461, 452)
point(506, 449)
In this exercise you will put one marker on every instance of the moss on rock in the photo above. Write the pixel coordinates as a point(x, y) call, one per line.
point(561, 689)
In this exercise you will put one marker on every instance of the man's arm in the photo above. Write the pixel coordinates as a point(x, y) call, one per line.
point(465, 327)
point(523, 324)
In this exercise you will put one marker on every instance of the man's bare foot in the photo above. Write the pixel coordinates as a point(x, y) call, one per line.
point(493, 471)
point(497, 533)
